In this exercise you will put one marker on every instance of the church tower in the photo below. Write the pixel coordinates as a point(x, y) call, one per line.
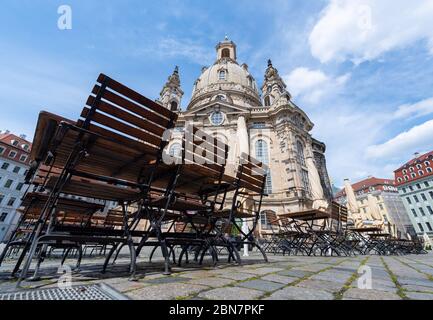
point(171, 95)
point(274, 87)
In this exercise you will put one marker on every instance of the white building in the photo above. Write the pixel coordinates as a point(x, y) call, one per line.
point(14, 163)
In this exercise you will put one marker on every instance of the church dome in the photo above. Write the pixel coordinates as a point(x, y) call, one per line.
point(226, 75)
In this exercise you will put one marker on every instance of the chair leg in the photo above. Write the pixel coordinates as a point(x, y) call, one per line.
point(107, 260)
point(80, 257)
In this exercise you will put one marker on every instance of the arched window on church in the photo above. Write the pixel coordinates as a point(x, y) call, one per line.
point(175, 150)
point(262, 154)
point(267, 101)
point(174, 106)
point(300, 152)
point(222, 75)
point(225, 53)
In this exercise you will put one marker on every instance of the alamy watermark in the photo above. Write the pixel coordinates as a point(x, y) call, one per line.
point(365, 280)
point(65, 280)
point(64, 21)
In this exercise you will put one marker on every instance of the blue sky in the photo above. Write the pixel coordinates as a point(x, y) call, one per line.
point(362, 71)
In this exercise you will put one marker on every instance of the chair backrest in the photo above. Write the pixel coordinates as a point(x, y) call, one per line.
point(204, 151)
point(121, 114)
point(251, 174)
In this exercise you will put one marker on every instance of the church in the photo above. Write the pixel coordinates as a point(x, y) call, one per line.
point(264, 122)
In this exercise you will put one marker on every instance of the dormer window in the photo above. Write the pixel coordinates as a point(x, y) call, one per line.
point(15, 143)
point(222, 75)
point(25, 147)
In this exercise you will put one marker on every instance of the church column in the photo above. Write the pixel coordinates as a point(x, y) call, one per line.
point(242, 134)
point(243, 147)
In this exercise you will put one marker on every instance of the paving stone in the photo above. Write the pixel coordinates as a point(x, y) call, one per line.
point(213, 282)
point(280, 279)
point(239, 276)
point(295, 273)
point(127, 286)
point(339, 277)
point(168, 291)
point(320, 285)
point(261, 285)
point(164, 280)
point(198, 274)
point(297, 293)
point(359, 294)
point(231, 293)
point(416, 282)
point(419, 296)
point(417, 288)
point(262, 271)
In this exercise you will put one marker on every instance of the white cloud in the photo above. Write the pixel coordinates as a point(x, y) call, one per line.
point(170, 47)
point(419, 109)
point(313, 85)
point(415, 139)
point(365, 29)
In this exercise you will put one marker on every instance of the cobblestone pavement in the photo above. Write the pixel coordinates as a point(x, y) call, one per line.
point(283, 278)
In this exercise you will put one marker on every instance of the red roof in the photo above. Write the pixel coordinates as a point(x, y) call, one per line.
point(366, 184)
point(415, 169)
point(15, 148)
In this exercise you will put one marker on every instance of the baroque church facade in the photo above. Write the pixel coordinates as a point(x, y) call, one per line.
point(263, 122)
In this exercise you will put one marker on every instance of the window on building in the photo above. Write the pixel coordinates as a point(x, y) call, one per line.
point(173, 106)
point(12, 154)
point(20, 186)
point(267, 101)
point(430, 210)
point(217, 118)
point(423, 196)
point(8, 183)
point(222, 75)
point(305, 180)
point(422, 211)
point(413, 175)
point(5, 166)
point(429, 226)
point(421, 173)
point(414, 213)
point(26, 147)
point(406, 178)
point(3, 216)
point(15, 143)
point(427, 184)
point(2, 150)
point(262, 154)
point(259, 125)
point(225, 53)
point(411, 169)
point(429, 170)
point(421, 228)
point(364, 210)
point(427, 163)
point(431, 194)
point(301, 154)
point(400, 180)
point(410, 188)
point(416, 199)
point(381, 206)
point(265, 216)
point(404, 190)
point(23, 158)
point(418, 186)
point(16, 169)
point(11, 202)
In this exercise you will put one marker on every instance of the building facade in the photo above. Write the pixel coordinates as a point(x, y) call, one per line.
point(414, 181)
point(14, 163)
point(263, 122)
point(382, 196)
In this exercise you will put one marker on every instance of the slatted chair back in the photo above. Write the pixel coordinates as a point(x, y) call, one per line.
point(251, 175)
point(121, 130)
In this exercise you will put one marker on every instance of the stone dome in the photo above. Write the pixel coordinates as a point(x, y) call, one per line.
point(226, 75)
